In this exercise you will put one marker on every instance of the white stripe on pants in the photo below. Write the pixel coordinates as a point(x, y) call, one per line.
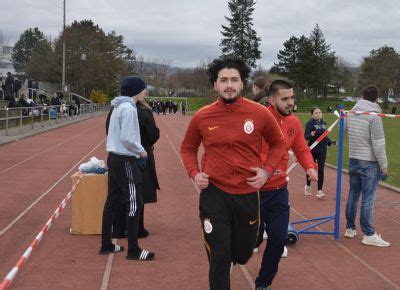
point(132, 190)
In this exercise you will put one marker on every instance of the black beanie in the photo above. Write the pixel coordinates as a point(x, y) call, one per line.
point(132, 86)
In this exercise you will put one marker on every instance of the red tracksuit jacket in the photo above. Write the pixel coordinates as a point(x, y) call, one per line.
point(232, 138)
point(294, 136)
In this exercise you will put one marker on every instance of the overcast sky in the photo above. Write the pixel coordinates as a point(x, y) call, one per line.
point(188, 32)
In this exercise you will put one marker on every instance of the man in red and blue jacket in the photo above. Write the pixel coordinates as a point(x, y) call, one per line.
point(274, 196)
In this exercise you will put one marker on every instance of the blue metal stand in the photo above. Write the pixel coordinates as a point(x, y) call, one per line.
point(293, 234)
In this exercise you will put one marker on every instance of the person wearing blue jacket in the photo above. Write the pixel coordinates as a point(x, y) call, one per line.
point(125, 155)
point(315, 127)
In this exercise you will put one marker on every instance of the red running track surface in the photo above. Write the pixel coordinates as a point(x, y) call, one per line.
point(34, 178)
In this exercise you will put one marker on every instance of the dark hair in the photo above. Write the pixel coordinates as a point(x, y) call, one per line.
point(262, 83)
point(279, 85)
point(228, 62)
point(315, 108)
point(370, 93)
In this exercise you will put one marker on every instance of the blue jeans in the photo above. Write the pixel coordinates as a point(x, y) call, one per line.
point(364, 177)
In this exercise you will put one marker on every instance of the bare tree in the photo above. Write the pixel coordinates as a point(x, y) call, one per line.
point(159, 69)
point(139, 65)
point(3, 39)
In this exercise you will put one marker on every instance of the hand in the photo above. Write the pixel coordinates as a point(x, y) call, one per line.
point(143, 154)
point(201, 180)
point(259, 179)
point(312, 174)
point(332, 143)
point(312, 133)
point(385, 171)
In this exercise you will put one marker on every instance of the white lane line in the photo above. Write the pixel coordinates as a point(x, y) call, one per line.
point(242, 267)
point(107, 271)
point(247, 276)
point(359, 259)
point(3, 231)
point(40, 153)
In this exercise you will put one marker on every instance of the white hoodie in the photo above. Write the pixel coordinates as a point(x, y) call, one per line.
point(124, 132)
point(366, 135)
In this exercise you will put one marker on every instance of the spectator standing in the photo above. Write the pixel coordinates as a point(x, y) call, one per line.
point(183, 109)
point(368, 163)
point(16, 87)
point(8, 87)
point(125, 156)
point(30, 92)
point(394, 108)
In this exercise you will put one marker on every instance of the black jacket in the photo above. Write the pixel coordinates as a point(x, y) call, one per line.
point(319, 127)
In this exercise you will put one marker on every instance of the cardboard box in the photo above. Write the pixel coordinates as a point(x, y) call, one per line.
point(88, 201)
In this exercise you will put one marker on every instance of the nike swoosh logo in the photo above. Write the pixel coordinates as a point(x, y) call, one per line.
point(212, 128)
point(252, 222)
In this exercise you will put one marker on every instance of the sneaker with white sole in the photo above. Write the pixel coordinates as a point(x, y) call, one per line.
point(350, 233)
point(307, 190)
point(320, 194)
point(375, 240)
point(285, 252)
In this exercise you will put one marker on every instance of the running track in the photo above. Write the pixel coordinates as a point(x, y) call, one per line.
point(34, 174)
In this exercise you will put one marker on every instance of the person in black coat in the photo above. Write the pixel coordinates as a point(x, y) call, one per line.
point(149, 134)
point(315, 127)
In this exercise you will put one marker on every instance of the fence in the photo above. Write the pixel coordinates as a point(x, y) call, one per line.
point(39, 116)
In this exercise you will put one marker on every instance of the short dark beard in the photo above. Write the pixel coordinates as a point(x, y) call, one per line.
point(229, 101)
point(283, 113)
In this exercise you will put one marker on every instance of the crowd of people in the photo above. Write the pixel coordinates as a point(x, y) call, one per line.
point(32, 97)
point(158, 106)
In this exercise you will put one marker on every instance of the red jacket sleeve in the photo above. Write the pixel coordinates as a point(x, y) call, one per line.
point(189, 148)
point(300, 148)
point(273, 135)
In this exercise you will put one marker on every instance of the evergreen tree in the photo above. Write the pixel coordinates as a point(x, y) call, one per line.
point(323, 62)
point(239, 38)
point(294, 61)
point(22, 51)
point(308, 62)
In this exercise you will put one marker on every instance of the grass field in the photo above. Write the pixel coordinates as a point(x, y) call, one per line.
point(390, 126)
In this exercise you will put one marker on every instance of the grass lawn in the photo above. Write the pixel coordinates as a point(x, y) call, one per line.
point(390, 126)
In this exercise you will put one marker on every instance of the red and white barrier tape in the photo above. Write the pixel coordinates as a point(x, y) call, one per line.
point(334, 124)
point(320, 138)
point(21, 262)
point(375, 114)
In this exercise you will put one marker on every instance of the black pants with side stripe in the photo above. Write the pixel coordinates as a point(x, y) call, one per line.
point(124, 188)
point(230, 224)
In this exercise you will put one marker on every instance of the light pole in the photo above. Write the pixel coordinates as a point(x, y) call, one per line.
point(63, 52)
